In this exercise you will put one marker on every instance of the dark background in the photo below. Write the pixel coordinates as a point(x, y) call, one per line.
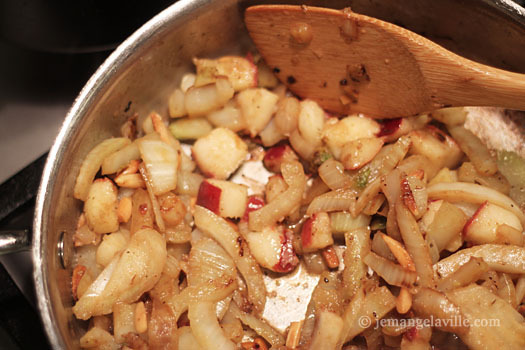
point(48, 50)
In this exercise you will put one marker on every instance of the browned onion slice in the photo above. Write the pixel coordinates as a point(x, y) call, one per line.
point(415, 244)
point(92, 163)
point(501, 258)
point(259, 326)
point(466, 274)
point(333, 174)
point(227, 236)
point(206, 328)
point(431, 303)
point(473, 193)
point(494, 324)
point(392, 273)
point(286, 202)
point(337, 200)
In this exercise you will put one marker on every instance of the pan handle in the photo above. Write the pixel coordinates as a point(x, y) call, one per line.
point(17, 193)
point(12, 241)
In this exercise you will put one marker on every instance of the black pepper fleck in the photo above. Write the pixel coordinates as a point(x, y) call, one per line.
point(277, 70)
point(241, 248)
point(291, 80)
point(127, 107)
point(325, 84)
point(343, 82)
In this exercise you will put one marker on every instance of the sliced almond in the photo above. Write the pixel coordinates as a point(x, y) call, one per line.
point(294, 334)
point(133, 167)
point(124, 209)
point(403, 301)
point(330, 257)
point(399, 252)
point(78, 273)
point(141, 319)
point(130, 181)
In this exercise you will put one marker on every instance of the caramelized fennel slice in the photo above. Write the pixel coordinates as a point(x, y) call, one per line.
point(206, 328)
point(92, 162)
point(501, 258)
point(228, 237)
point(135, 271)
point(493, 323)
point(431, 304)
point(473, 193)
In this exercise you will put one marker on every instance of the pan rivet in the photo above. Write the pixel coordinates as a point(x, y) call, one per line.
point(63, 250)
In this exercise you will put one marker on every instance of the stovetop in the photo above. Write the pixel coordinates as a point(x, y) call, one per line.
point(36, 91)
point(20, 326)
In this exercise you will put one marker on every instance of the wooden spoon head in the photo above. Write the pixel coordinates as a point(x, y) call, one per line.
point(348, 63)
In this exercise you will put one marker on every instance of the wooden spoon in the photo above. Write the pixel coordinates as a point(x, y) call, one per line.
point(350, 63)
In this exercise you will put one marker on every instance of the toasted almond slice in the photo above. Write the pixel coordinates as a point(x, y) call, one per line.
point(124, 209)
point(399, 252)
point(133, 167)
point(141, 319)
point(294, 334)
point(78, 272)
point(403, 301)
point(164, 132)
point(130, 181)
point(330, 257)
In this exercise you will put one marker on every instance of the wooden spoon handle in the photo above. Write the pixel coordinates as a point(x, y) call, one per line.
point(350, 63)
point(456, 81)
point(452, 80)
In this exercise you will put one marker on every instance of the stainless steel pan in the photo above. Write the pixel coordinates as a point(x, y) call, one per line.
point(143, 70)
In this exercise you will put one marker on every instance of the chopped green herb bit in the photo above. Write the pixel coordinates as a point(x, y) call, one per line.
point(320, 157)
point(324, 156)
point(362, 177)
point(378, 223)
point(512, 166)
